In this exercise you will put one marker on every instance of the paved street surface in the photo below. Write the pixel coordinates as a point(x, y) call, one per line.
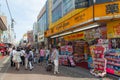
point(39, 73)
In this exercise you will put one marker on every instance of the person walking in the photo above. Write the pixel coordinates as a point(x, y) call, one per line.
point(23, 56)
point(30, 59)
point(35, 56)
point(11, 57)
point(42, 54)
point(47, 55)
point(26, 58)
point(55, 57)
point(17, 58)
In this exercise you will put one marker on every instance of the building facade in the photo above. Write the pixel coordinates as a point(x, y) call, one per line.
point(35, 31)
point(82, 26)
point(3, 27)
point(41, 25)
point(43, 21)
point(56, 9)
point(68, 5)
point(30, 38)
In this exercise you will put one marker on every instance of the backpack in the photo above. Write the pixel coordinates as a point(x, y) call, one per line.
point(30, 58)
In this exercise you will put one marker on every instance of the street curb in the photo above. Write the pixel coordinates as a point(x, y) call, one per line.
point(6, 60)
point(7, 67)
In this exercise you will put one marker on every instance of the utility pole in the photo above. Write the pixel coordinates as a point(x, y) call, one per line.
point(12, 23)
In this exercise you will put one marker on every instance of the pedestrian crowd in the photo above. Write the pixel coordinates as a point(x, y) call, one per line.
point(27, 57)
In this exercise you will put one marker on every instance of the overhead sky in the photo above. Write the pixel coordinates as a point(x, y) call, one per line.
point(24, 12)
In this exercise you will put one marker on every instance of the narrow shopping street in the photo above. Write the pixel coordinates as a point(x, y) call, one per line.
point(39, 73)
point(59, 39)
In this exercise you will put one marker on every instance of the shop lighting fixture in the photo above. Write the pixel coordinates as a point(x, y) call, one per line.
point(65, 33)
point(77, 30)
point(55, 36)
point(61, 34)
point(86, 27)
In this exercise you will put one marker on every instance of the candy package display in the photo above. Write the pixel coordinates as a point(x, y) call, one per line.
point(65, 56)
point(113, 61)
point(98, 60)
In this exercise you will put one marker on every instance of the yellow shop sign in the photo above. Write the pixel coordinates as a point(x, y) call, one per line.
point(113, 29)
point(75, 36)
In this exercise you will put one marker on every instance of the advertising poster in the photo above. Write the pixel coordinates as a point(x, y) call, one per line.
point(63, 50)
point(100, 32)
point(69, 50)
point(113, 29)
point(99, 60)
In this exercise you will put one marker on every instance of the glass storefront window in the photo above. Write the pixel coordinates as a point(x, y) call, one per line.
point(54, 1)
point(42, 23)
point(67, 6)
point(57, 13)
point(81, 3)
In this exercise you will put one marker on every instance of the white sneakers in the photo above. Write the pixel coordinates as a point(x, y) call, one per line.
point(56, 72)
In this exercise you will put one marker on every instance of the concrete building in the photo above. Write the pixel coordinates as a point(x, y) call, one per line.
point(80, 13)
point(30, 38)
point(24, 41)
point(8, 35)
point(3, 27)
point(43, 20)
point(82, 25)
point(35, 34)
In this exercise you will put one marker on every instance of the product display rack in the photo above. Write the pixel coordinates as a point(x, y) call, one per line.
point(99, 61)
point(98, 55)
point(113, 63)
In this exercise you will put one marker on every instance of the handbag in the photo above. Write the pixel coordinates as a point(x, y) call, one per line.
point(14, 59)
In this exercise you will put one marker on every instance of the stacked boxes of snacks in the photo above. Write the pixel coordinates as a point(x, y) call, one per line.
point(113, 61)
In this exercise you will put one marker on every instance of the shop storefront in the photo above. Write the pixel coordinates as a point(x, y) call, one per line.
point(79, 45)
point(81, 42)
point(106, 56)
point(80, 36)
point(113, 55)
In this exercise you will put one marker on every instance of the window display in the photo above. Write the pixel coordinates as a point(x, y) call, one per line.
point(66, 57)
point(113, 57)
point(78, 47)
